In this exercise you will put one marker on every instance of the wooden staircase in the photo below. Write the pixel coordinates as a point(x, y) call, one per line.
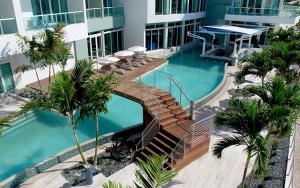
point(174, 121)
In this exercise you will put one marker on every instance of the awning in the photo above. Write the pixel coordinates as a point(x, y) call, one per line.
point(229, 29)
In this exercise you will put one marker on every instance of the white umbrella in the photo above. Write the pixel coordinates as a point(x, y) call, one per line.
point(124, 53)
point(137, 49)
point(244, 85)
point(253, 78)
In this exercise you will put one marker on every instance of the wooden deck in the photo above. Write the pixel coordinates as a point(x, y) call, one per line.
point(173, 119)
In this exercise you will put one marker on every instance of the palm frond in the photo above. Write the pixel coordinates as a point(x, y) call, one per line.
point(226, 142)
point(111, 184)
point(152, 173)
point(262, 153)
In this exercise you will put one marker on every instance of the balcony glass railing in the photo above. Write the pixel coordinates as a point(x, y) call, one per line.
point(8, 26)
point(108, 11)
point(48, 20)
point(262, 11)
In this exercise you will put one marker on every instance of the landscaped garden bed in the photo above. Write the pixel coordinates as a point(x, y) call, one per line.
point(116, 157)
point(277, 165)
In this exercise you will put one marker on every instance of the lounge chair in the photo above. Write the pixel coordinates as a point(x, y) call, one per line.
point(126, 66)
point(135, 64)
point(112, 68)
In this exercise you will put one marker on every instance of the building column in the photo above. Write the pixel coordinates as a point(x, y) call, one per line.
point(19, 16)
point(102, 8)
point(166, 35)
point(249, 44)
point(103, 43)
point(182, 32)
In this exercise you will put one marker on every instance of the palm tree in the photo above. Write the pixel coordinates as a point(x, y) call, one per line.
point(247, 119)
point(32, 50)
point(65, 97)
point(258, 64)
point(98, 93)
point(151, 174)
point(284, 55)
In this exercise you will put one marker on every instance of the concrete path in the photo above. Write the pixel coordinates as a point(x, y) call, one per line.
point(9, 105)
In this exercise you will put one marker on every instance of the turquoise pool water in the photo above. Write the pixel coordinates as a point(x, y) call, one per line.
point(44, 134)
point(198, 76)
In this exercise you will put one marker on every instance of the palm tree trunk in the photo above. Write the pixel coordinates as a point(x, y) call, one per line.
point(78, 145)
point(96, 143)
point(37, 76)
point(245, 171)
point(53, 71)
point(49, 78)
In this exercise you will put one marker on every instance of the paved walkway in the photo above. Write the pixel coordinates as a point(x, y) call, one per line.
point(206, 171)
point(9, 105)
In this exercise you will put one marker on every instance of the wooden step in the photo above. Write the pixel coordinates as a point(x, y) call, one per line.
point(158, 148)
point(167, 98)
point(183, 116)
point(167, 138)
point(172, 102)
point(145, 155)
point(163, 94)
point(168, 122)
point(178, 111)
point(166, 116)
point(174, 107)
point(151, 151)
point(152, 103)
point(163, 143)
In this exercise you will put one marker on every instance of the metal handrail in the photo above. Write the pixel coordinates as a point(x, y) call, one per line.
point(184, 140)
point(155, 123)
point(291, 161)
point(178, 84)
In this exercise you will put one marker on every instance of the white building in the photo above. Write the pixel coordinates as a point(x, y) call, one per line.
point(95, 28)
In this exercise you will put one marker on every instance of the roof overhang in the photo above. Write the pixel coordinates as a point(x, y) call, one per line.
point(229, 29)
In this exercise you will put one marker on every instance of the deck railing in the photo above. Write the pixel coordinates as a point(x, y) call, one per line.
point(8, 26)
point(196, 135)
point(289, 178)
point(248, 11)
point(172, 84)
point(153, 127)
point(42, 21)
point(106, 11)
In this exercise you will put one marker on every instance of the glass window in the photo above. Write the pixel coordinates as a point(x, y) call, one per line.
point(45, 6)
point(99, 45)
point(159, 7)
point(120, 40)
point(114, 39)
point(7, 80)
point(108, 49)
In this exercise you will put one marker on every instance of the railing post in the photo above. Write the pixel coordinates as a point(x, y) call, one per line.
point(170, 84)
point(1, 28)
point(154, 81)
point(192, 104)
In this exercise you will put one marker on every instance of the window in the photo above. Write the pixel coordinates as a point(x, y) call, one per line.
point(174, 36)
point(189, 27)
point(7, 81)
point(154, 39)
point(40, 7)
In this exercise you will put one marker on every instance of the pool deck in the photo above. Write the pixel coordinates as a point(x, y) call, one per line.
point(206, 171)
point(130, 75)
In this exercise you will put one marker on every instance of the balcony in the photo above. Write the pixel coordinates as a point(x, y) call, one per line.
point(8, 26)
point(106, 18)
point(43, 21)
point(247, 11)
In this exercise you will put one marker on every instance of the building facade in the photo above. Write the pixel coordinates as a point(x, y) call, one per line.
point(96, 28)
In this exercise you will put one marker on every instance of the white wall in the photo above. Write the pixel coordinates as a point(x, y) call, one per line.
point(7, 9)
point(8, 45)
point(135, 20)
point(23, 79)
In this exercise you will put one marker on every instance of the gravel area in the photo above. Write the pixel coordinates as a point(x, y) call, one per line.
point(112, 160)
point(277, 166)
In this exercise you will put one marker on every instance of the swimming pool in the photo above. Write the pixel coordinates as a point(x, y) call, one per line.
point(198, 76)
point(44, 134)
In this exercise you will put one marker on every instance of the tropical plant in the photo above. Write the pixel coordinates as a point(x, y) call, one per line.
point(32, 50)
point(65, 97)
point(283, 100)
point(284, 55)
point(247, 119)
point(258, 64)
point(151, 174)
point(97, 95)
point(111, 184)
